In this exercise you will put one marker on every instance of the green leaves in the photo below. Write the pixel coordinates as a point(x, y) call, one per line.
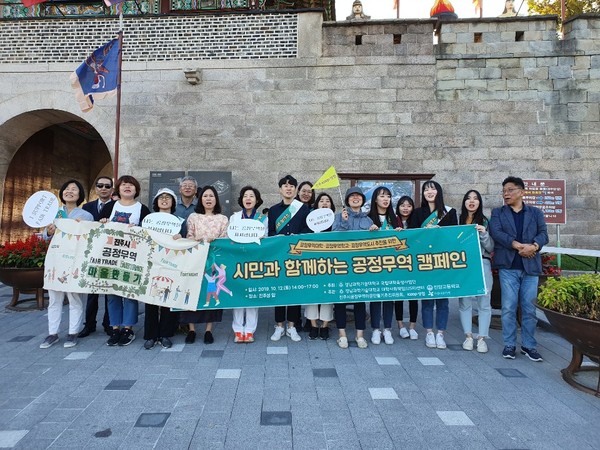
point(576, 296)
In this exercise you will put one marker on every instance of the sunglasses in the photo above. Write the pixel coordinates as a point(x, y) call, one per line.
point(103, 186)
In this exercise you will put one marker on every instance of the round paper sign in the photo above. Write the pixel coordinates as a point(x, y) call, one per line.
point(40, 209)
point(320, 219)
point(245, 231)
point(162, 223)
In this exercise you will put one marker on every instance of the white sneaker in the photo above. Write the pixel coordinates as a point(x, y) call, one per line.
point(342, 342)
point(404, 333)
point(413, 334)
point(293, 334)
point(468, 344)
point(387, 336)
point(279, 332)
point(430, 340)
point(482, 346)
point(376, 337)
point(439, 341)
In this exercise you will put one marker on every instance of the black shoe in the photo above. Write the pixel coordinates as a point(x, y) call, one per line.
point(509, 352)
point(208, 338)
point(86, 331)
point(324, 333)
point(191, 337)
point(313, 333)
point(531, 353)
point(165, 342)
point(115, 335)
point(127, 337)
point(149, 344)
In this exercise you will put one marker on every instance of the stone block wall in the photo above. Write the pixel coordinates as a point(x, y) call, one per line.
point(372, 97)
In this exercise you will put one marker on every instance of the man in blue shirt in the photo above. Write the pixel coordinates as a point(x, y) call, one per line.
point(519, 232)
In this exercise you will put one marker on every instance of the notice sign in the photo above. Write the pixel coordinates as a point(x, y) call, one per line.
point(549, 196)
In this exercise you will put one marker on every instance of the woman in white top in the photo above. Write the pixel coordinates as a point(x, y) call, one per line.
point(72, 195)
point(245, 320)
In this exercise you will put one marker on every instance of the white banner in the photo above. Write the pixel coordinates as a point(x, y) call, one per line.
point(129, 261)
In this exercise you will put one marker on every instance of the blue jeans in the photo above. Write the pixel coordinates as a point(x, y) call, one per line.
point(518, 289)
point(484, 307)
point(441, 319)
point(122, 312)
point(375, 311)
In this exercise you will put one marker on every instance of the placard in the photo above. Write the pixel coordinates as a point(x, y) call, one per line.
point(549, 196)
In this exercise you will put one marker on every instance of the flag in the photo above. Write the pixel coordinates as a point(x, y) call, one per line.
point(28, 3)
point(396, 5)
point(478, 6)
point(328, 180)
point(97, 76)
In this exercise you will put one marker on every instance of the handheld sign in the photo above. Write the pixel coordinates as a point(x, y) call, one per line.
point(246, 231)
point(320, 219)
point(162, 223)
point(40, 209)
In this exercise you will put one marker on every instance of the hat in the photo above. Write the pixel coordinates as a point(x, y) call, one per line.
point(165, 191)
point(354, 190)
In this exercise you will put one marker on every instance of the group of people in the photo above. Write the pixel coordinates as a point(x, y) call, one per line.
point(514, 236)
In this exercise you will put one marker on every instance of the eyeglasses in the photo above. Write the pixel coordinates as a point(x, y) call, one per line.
point(103, 186)
point(510, 191)
point(164, 197)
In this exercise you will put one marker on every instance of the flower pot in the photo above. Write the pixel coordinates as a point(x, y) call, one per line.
point(584, 336)
point(24, 281)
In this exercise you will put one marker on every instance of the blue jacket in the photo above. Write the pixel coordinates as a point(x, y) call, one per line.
point(356, 221)
point(504, 232)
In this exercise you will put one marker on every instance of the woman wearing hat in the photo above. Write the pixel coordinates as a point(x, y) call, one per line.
point(352, 218)
point(159, 321)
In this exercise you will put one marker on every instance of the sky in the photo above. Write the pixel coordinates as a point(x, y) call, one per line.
point(411, 9)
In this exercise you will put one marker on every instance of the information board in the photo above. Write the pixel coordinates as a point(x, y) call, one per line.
point(549, 196)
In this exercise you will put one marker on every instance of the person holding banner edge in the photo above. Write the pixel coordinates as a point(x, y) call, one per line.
point(123, 312)
point(245, 320)
point(404, 210)
point(472, 214)
point(104, 189)
point(383, 217)
point(352, 218)
point(285, 218)
point(72, 195)
point(433, 213)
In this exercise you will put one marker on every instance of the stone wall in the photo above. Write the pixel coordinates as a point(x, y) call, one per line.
point(491, 98)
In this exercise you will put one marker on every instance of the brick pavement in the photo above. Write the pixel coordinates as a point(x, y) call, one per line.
point(302, 395)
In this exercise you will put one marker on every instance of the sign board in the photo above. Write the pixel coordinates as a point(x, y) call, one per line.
point(549, 196)
point(40, 209)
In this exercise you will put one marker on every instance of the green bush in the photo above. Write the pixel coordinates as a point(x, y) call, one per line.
point(576, 296)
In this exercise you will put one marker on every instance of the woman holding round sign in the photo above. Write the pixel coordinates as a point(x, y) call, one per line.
point(159, 321)
point(72, 195)
point(324, 313)
point(206, 224)
point(383, 217)
point(433, 213)
point(123, 312)
point(245, 320)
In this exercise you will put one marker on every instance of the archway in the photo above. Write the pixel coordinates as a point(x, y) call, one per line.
point(49, 147)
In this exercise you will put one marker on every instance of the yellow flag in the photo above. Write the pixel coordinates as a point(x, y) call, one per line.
point(328, 180)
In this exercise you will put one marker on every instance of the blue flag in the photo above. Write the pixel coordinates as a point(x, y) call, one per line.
point(96, 77)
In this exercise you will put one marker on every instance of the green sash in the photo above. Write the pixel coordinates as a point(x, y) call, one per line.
point(287, 215)
point(433, 219)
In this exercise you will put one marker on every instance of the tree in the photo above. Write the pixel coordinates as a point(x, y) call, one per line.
point(573, 7)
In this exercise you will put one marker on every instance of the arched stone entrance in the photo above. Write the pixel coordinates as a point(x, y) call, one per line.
point(42, 149)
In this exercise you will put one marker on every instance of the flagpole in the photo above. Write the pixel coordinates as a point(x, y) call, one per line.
point(118, 115)
point(397, 9)
point(481, 9)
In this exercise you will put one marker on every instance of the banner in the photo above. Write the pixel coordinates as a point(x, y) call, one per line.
point(344, 267)
point(125, 260)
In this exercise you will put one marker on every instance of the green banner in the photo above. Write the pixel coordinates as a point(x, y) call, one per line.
point(344, 267)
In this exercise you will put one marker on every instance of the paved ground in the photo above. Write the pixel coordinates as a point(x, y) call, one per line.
point(304, 395)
